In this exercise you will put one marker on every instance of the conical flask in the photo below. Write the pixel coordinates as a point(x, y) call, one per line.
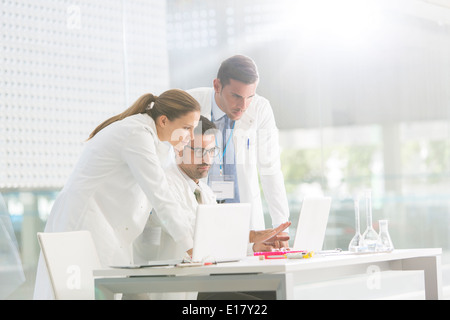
point(370, 236)
point(384, 239)
point(354, 245)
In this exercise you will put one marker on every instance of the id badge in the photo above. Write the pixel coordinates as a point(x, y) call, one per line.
point(222, 186)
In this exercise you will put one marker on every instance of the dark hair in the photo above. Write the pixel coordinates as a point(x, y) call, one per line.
point(240, 68)
point(205, 126)
point(173, 104)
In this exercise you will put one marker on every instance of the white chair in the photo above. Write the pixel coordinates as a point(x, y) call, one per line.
point(70, 258)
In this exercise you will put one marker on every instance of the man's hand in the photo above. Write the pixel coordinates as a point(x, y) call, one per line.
point(270, 238)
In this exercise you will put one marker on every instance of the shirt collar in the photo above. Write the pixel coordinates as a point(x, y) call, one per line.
point(217, 113)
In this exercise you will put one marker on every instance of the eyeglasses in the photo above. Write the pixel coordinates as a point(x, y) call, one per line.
point(201, 152)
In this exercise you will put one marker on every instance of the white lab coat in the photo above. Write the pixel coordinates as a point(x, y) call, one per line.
point(117, 181)
point(257, 151)
point(155, 243)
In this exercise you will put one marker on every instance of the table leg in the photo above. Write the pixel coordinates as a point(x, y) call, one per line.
point(432, 274)
point(103, 293)
point(285, 290)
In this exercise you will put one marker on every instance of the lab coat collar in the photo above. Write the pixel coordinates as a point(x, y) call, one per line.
point(151, 123)
point(191, 183)
point(164, 149)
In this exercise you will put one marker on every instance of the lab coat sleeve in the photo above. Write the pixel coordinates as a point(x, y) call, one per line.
point(140, 155)
point(269, 166)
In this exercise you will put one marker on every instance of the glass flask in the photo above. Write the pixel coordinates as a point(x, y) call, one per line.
point(370, 236)
point(354, 245)
point(384, 239)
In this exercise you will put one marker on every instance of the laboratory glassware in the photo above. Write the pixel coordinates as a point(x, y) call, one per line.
point(384, 239)
point(354, 245)
point(370, 236)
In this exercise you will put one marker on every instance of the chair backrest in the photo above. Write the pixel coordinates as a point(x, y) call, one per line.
point(70, 258)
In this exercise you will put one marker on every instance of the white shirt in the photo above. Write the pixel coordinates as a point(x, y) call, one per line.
point(117, 181)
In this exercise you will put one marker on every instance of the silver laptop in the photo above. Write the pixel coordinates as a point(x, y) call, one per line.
point(312, 224)
point(221, 232)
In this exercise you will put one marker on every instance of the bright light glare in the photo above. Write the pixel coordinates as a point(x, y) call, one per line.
point(342, 20)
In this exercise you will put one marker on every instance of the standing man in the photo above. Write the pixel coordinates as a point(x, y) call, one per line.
point(249, 142)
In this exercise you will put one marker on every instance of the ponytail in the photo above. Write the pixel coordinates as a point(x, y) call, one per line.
point(173, 104)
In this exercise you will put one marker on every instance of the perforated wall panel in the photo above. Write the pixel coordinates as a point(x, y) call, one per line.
point(65, 66)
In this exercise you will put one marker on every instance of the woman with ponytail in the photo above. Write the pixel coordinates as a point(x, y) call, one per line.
point(119, 180)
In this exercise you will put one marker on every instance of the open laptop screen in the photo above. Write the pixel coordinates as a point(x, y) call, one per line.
point(312, 224)
point(221, 232)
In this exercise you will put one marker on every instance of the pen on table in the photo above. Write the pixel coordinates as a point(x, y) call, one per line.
point(324, 252)
point(248, 144)
point(195, 264)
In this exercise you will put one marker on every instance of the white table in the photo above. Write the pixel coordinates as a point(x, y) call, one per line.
point(280, 275)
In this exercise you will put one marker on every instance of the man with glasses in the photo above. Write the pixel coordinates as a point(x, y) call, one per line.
point(193, 164)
